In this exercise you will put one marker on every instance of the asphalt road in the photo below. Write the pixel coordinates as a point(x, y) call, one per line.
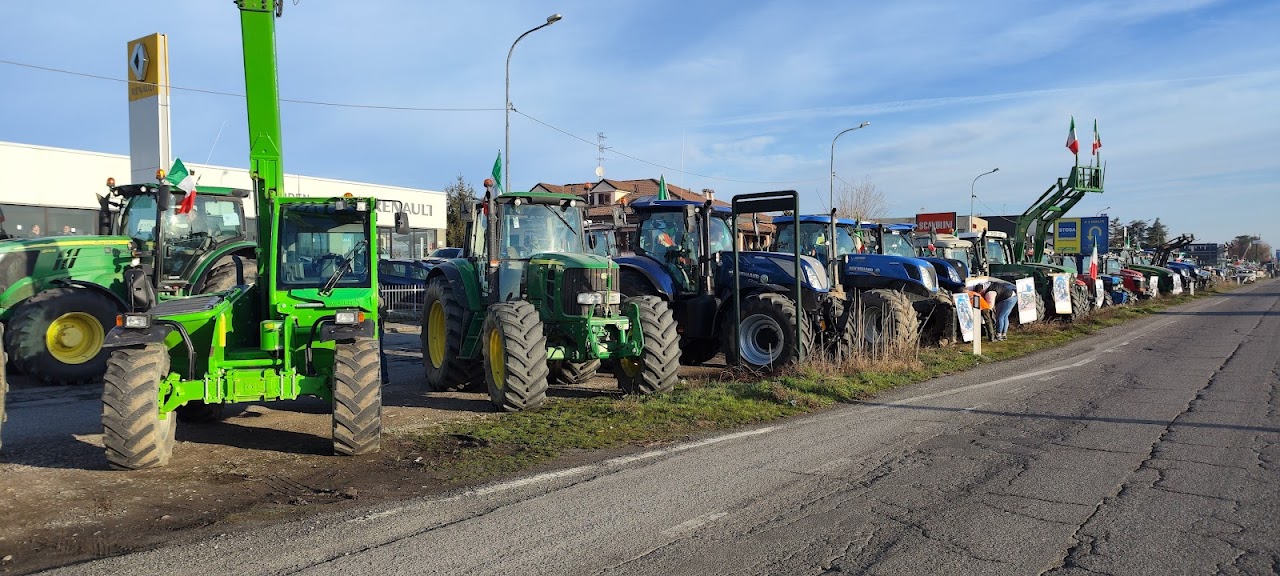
point(1150, 448)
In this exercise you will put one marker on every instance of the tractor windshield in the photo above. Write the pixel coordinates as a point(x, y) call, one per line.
point(530, 229)
point(813, 240)
point(323, 247)
point(995, 252)
point(961, 254)
point(896, 245)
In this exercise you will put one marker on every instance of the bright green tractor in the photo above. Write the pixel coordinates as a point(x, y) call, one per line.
point(59, 295)
point(307, 327)
point(526, 303)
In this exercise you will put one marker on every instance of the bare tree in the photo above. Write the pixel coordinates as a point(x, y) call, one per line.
point(862, 200)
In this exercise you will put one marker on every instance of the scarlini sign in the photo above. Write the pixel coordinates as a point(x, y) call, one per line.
point(943, 222)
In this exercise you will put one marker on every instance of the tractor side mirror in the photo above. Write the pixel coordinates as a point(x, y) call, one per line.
point(468, 211)
point(402, 223)
point(164, 198)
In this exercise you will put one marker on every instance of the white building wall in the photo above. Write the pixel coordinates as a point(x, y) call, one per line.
point(57, 177)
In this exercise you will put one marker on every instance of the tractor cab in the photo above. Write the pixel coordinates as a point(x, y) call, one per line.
point(181, 245)
point(668, 234)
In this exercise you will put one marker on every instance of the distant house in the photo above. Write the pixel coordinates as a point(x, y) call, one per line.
point(603, 195)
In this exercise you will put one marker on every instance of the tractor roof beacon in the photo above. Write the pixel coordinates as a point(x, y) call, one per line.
point(306, 327)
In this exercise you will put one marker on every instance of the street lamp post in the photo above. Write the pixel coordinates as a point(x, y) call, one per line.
point(973, 196)
point(1101, 211)
point(506, 145)
point(831, 175)
point(831, 199)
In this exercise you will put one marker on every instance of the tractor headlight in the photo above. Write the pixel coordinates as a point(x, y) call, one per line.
point(929, 278)
point(590, 298)
point(134, 321)
point(815, 276)
point(348, 317)
point(613, 298)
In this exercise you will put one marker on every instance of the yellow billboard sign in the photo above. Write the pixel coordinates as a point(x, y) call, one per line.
point(148, 67)
point(1066, 240)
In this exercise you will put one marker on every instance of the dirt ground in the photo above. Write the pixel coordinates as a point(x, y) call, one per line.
point(266, 463)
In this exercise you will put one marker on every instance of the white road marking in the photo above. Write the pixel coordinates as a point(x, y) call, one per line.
point(690, 526)
point(623, 460)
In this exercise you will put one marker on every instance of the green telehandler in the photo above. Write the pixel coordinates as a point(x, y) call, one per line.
point(59, 295)
point(306, 327)
point(526, 303)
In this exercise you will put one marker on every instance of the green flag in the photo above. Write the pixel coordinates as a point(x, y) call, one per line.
point(497, 173)
point(662, 187)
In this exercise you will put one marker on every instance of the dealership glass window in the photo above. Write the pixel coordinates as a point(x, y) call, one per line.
point(71, 222)
point(23, 221)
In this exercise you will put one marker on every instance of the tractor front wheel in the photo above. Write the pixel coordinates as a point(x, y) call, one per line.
point(888, 321)
point(357, 398)
point(443, 329)
point(515, 356)
point(1081, 303)
point(57, 335)
point(134, 434)
point(658, 366)
point(766, 336)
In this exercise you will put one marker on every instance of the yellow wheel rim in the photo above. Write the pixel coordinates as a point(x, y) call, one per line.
point(630, 366)
point(74, 338)
point(496, 358)
point(436, 334)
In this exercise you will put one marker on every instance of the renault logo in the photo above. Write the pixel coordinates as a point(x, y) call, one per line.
point(138, 62)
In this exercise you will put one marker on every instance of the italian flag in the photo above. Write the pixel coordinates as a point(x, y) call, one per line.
point(182, 180)
point(1097, 140)
point(1093, 263)
point(1072, 143)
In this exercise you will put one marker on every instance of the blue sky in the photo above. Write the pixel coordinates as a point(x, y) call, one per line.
point(745, 96)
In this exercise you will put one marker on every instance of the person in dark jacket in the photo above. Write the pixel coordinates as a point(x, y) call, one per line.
point(1003, 296)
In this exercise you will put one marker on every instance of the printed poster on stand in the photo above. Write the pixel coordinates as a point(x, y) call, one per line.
point(1100, 291)
point(965, 313)
point(1026, 300)
point(1177, 284)
point(1061, 293)
point(1155, 286)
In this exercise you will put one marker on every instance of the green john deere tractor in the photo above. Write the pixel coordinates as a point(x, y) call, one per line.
point(306, 327)
point(59, 295)
point(526, 303)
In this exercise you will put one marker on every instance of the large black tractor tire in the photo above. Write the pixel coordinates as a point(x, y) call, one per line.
point(888, 321)
point(134, 435)
point(1081, 302)
point(1042, 309)
point(567, 373)
point(443, 328)
point(357, 398)
point(515, 356)
point(1130, 298)
point(767, 334)
point(658, 366)
point(222, 276)
point(75, 321)
point(843, 344)
point(697, 351)
point(1107, 299)
point(4, 385)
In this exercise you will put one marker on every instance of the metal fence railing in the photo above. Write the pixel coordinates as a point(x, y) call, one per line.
point(402, 303)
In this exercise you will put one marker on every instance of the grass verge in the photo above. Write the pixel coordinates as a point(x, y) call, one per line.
point(501, 445)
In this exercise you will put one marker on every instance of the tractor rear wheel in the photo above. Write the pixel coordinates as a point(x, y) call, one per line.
point(568, 373)
point(1107, 300)
point(57, 335)
point(1041, 308)
point(766, 338)
point(888, 321)
point(1081, 304)
point(443, 329)
point(134, 434)
point(658, 366)
point(515, 356)
point(357, 398)
point(222, 275)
